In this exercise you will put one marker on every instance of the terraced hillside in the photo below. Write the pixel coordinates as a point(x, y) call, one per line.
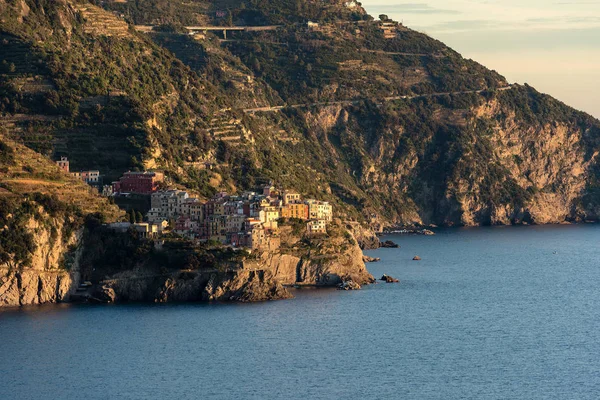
point(389, 124)
point(24, 172)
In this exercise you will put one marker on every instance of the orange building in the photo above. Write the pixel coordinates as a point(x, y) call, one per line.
point(297, 210)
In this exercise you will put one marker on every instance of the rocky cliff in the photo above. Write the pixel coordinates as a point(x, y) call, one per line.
point(192, 286)
point(326, 265)
point(42, 213)
point(50, 275)
point(322, 261)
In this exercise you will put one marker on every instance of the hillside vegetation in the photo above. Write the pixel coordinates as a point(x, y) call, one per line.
point(391, 130)
point(38, 199)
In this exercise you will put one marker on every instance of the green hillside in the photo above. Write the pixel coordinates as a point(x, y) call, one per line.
point(389, 124)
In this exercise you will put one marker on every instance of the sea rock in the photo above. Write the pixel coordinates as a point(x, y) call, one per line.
point(416, 258)
point(349, 285)
point(389, 279)
point(368, 259)
point(389, 244)
point(105, 294)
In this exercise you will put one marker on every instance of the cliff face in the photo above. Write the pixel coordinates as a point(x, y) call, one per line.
point(125, 268)
point(328, 266)
point(192, 286)
point(482, 162)
point(42, 211)
point(34, 287)
point(52, 274)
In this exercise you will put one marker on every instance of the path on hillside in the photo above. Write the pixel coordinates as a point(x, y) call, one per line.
point(358, 101)
point(401, 53)
point(388, 53)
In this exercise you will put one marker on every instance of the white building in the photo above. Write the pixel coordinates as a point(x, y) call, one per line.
point(320, 210)
point(316, 226)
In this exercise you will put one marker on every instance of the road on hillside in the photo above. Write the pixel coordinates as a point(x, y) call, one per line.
point(358, 101)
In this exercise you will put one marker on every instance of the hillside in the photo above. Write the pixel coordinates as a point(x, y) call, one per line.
point(42, 214)
point(392, 126)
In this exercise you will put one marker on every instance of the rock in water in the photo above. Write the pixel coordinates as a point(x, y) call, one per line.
point(389, 244)
point(105, 294)
point(416, 258)
point(389, 279)
point(368, 259)
point(349, 285)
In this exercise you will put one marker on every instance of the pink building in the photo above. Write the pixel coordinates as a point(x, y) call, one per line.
point(63, 164)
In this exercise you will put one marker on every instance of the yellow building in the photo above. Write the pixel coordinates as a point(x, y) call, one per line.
point(291, 197)
point(269, 216)
point(219, 208)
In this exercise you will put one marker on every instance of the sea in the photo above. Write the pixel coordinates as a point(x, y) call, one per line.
point(488, 313)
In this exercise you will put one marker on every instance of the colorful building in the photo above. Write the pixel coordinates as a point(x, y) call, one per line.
point(320, 210)
point(295, 210)
point(291, 197)
point(63, 164)
point(138, 182)
point(89, 177)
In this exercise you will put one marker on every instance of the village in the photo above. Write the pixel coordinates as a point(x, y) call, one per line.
point(249, 219)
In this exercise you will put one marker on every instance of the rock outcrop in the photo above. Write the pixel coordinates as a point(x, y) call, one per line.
point(34, 287)
point(389, 279)
point(315, 270)
point(189, 286)
point(368, 259)
point(389, 244)
point(260, 277)
point(45, 279)
point(366, 237)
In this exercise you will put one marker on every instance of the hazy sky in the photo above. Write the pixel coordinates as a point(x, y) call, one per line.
point(553, 45)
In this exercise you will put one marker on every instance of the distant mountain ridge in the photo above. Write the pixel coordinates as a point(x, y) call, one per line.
point(390, 125)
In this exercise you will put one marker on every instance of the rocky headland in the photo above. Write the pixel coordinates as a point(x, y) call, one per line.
point(161, 274)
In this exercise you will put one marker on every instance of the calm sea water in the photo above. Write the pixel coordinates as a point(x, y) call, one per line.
point(489, 313)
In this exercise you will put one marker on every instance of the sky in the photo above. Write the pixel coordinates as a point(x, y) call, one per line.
point(553, 45)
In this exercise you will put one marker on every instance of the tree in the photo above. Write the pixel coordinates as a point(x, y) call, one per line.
point(383, 17)
point(132, 216)
point(139, 217)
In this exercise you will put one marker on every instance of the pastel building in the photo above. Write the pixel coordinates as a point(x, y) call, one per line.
point(320, 210)
point(269, 216)
point(291, 197)
point(63, 164)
